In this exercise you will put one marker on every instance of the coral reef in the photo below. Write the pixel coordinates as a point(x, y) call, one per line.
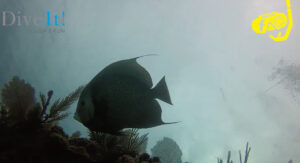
point(30, 132)
point(167, 150)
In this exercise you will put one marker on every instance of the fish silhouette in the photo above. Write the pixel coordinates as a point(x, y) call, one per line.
point(121, 96)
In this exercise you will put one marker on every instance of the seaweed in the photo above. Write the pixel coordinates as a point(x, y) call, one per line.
point(228, 158)
point(131, 141)
point(107, 141)
point(58, 108)
point(241, 159)
point(247, 152)
point(245, 160)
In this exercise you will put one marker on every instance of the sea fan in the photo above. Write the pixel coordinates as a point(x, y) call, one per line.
point(19, 102)
point(18, 97)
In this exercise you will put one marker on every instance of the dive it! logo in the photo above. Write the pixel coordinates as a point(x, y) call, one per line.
point(47, 22)
point(274, 20)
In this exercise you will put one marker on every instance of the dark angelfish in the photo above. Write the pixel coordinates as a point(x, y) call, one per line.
point(121, 96)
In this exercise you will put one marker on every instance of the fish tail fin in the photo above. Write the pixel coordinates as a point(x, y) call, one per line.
point(161, 91)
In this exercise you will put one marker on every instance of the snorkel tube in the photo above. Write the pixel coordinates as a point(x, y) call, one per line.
point(288, 30)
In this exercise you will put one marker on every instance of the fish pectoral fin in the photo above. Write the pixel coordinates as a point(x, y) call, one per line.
point(161, 91)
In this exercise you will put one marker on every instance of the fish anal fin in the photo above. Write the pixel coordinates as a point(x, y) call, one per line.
point(168, 123)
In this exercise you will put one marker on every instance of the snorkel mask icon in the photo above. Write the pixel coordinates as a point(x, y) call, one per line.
point(272, 21)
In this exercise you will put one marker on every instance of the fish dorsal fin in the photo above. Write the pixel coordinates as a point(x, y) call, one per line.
point(129, 67)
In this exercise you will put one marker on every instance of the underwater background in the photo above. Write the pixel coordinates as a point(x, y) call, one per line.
point(228, 84)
